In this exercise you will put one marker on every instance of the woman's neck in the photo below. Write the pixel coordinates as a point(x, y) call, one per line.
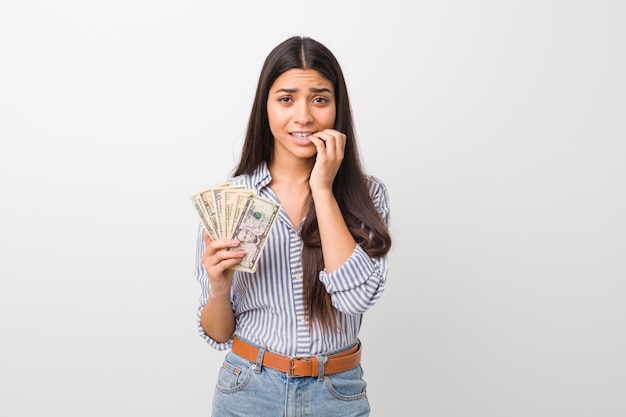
point(290, 183)
point(293, 174)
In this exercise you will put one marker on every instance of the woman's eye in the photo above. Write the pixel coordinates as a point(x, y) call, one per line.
point(285, 99)
point(320, 100)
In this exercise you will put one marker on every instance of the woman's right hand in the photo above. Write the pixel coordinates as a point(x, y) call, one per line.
point(216, 260)
point(217, 318)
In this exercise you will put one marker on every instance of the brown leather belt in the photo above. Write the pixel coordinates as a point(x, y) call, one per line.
point(301, 366)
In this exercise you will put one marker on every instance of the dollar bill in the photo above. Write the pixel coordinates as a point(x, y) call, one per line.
point(233, 201)
point(252, 229)
point(233, 212)
point(219, 207)
point(205, 208)
point(198, 204)
point(208, 202)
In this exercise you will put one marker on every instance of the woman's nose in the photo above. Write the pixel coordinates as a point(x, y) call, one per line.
point(303, 114)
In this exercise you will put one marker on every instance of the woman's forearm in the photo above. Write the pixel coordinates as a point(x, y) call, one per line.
point(337, 242)
point(217, 318)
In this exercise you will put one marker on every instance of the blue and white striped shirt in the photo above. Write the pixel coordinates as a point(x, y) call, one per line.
point(268, 304)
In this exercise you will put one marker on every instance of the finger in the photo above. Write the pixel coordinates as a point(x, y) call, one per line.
point(228, 263)
point(220, 260)
point(330, 145)
point(340, 145)
point(224, 259)
point(334, 139)
point(227, 253)
point(206, 238)
point(337, 139)
point(213, 246)
point(319, 143)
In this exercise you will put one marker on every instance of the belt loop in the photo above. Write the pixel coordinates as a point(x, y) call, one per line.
point(321, 362)
point(259, 360)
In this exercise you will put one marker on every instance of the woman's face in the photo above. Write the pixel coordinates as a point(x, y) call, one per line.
point(300, 102)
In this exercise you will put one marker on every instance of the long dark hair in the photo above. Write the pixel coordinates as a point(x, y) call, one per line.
point(350, 186)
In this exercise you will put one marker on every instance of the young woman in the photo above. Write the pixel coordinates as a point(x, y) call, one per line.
point(293, 325)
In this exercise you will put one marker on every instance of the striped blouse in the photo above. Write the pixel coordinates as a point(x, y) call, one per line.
point(268, 304)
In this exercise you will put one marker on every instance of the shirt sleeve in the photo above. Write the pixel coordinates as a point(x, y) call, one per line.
point(203, 280)
point(360, 281)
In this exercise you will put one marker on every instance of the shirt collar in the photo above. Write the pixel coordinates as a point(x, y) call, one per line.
point(261, 176)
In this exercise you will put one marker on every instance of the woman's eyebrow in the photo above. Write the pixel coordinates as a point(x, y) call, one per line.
point(286, 90)
point(321, 90)
point(295, 90)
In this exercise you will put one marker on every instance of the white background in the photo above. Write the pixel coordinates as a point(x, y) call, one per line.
point(498, 127)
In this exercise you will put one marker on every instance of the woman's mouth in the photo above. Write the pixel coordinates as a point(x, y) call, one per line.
point(301, 137)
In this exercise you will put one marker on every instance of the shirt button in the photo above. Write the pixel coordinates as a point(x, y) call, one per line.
point(297, 276)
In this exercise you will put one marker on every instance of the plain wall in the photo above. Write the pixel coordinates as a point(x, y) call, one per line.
point(498, 127)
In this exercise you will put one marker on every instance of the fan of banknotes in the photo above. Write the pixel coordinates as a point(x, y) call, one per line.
point(234, 212)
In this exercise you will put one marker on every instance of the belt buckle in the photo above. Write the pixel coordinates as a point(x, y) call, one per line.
point(292, 367)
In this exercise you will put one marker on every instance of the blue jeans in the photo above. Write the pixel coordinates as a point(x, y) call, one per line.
point(246, 389)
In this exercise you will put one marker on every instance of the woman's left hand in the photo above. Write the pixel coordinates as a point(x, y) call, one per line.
point(330, 146)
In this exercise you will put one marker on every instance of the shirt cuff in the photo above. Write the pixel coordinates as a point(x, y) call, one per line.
point(352, 274)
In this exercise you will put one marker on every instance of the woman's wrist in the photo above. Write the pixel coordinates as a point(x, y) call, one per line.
point(322, 194)
point(219, 295)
